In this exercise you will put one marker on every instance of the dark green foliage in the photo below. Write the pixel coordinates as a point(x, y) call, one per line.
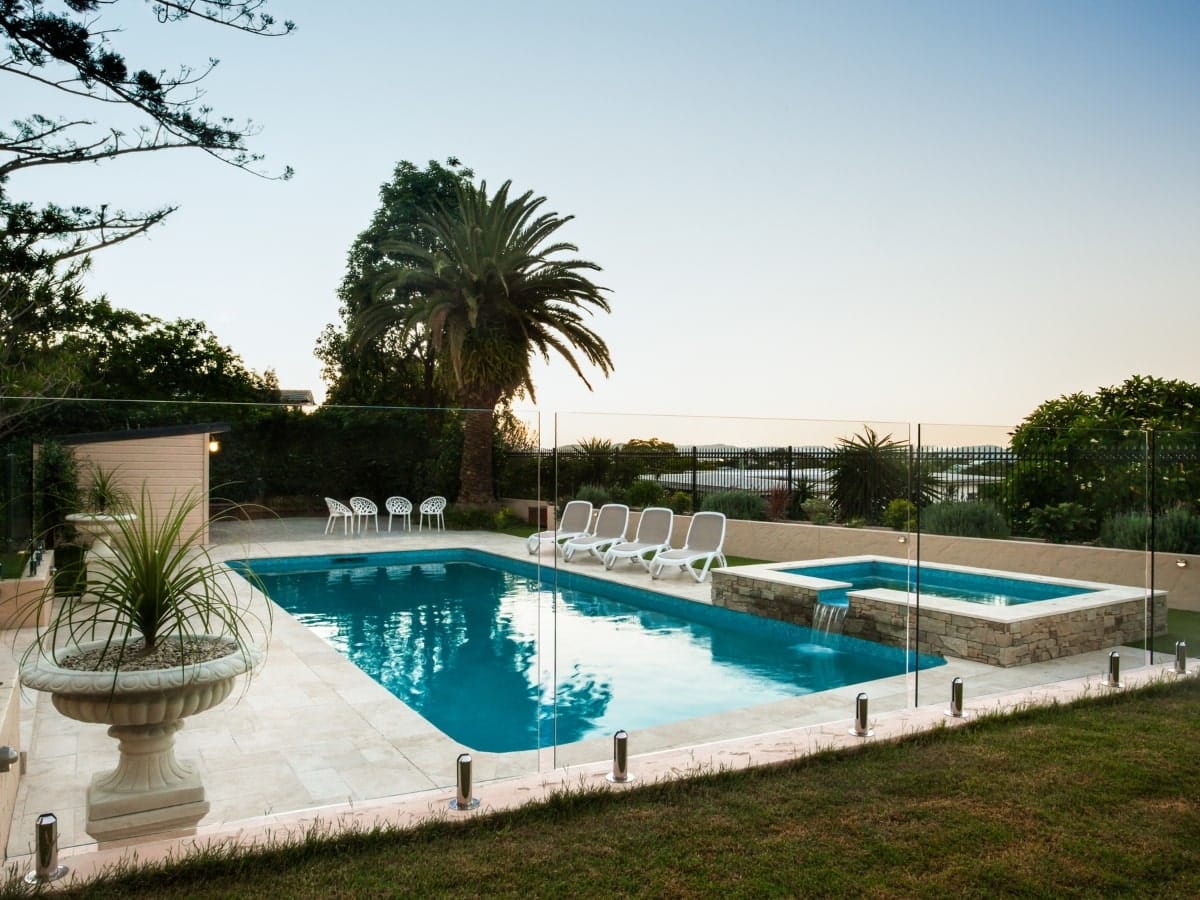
point(56, 493)
point(643, 493)
point(1061, 523)
point(1175, 531)
point(964, 518)
point(901, 514)
point(818, 511)
point(680, 503)
point(470, 518)
point(736, 505)
point(868, 472)
point(1096, 450)
point(395, 367)
point(595, 493)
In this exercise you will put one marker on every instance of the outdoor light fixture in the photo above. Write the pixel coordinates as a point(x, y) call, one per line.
point(213, 444)
point(902, 540)
point(1182, 563)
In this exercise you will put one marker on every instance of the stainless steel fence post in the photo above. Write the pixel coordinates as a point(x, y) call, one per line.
point(956, 699)
point(1181, 657)
point(1114, 670)
point(464, 800)
point(46, 867)
point(860, 728)
point(620, 770)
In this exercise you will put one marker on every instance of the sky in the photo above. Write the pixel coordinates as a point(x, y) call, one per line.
point(928, 212)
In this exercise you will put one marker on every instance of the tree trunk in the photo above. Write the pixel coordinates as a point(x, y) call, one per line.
point(475, 477)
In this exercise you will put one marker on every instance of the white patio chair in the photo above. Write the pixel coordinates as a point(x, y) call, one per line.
point(399, 506)
point(653, 535)
point(705, 538)
point(364, 509)
point(611, 524)
point(338, 510)
point(575, 519)
point(432, 509)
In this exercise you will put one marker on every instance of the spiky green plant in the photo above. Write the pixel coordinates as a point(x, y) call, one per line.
point(159, 584)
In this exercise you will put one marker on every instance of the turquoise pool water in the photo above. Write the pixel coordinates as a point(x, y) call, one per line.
point(491, 656)
point(973, 587)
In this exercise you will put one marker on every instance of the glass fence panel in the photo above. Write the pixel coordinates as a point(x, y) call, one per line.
point(403, 632)
point(1170, 528)
point(718, 638)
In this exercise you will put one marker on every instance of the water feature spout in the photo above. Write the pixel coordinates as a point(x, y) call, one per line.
point(828, 617)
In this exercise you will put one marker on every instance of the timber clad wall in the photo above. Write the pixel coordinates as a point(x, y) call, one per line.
point(168, 468)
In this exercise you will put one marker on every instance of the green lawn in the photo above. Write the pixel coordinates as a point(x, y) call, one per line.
point(1093, 799)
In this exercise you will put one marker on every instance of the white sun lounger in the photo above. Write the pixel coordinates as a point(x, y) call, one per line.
point(611, 524)
point(653, 535)
point(705, 538)
point(575, 519)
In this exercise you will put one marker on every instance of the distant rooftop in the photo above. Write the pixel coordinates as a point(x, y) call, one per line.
point(297, 398)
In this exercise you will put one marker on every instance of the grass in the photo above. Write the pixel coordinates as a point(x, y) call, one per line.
point(1092, 799)
point(1182, 625)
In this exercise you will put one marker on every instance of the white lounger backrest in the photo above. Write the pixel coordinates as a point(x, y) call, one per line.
point(612, 521)
point(706, 533)
point(576, 517)
point(655, 526)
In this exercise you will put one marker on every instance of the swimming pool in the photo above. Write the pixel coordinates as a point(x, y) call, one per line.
point(971, 586)
point(985, 615)
point(485, 650)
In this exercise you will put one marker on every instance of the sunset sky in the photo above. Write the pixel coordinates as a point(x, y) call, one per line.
point(920, 212)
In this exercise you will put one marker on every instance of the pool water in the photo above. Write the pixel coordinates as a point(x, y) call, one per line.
point(498, 661)
point(972, 587)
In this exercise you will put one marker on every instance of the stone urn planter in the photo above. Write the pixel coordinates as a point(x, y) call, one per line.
point(157, 631)
point(150, 790)
point(99, 528)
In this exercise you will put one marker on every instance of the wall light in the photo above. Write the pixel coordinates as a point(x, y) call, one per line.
point(213, 444)
point(902, 540)
point(1182, 563)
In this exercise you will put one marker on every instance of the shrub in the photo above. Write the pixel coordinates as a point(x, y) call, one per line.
point(595, 493)
point(643, 493)
point(56, 492)
point(1061, 523)
point(680, 503)
point(1175, 531)
point(470, 518)
point(901, 514)
point(736, 505)
point(779, 502)
point(964, 518)
point(818, 511)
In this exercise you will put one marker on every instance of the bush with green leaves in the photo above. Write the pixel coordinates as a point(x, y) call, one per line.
point(964, 518)
point(644, 493)
point(1061, 523)
point(1175, 531)
point(680, 503)
point(901, 514)
point(597, 494)
point(818, 511)
point(736, 505)
point(56, 492)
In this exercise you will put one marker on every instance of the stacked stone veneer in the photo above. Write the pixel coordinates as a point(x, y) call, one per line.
point(883, 616)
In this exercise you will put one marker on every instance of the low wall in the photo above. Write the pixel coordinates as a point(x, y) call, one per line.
point(16, 593)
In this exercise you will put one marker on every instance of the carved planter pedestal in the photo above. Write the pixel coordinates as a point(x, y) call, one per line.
point(150, 790)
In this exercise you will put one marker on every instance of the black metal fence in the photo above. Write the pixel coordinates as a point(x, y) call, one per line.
point(1100, 479)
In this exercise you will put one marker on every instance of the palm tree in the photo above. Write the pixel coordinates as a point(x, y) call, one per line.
point(488, 297)
point(868, 471)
